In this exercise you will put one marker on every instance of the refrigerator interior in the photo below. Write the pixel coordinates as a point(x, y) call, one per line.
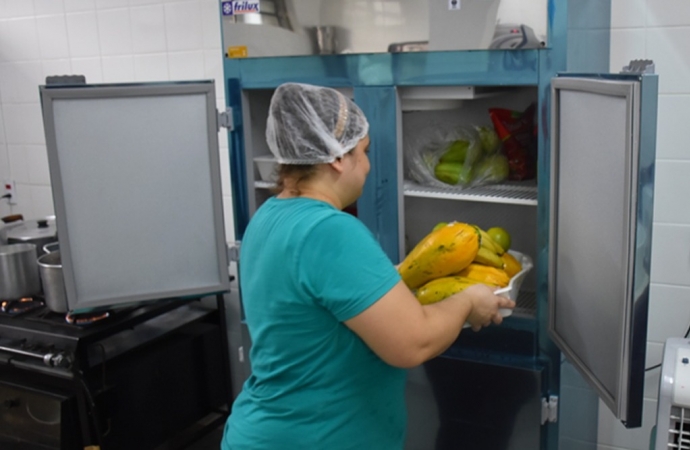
point(496, 369)
point(511, 205)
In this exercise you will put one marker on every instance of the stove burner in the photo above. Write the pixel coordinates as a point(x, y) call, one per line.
point(21, 306)
point(85, 319)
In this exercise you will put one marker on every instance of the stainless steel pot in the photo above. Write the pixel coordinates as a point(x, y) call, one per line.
point(19, 275)
point(50, 267)
point(52, 247)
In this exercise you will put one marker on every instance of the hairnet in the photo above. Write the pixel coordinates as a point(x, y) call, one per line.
point(312, 125)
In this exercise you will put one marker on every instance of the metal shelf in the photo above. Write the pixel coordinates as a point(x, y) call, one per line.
point(514, 193)
point(526, 305)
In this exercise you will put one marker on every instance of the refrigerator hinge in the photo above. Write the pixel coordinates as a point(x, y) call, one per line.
point(233, 251)
point(549, 409)
point(225, 119)
point(639, 66)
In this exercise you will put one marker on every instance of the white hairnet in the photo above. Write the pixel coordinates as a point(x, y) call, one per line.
point(312, 124)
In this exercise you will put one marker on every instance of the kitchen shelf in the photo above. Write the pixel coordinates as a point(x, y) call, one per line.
point(436, 98)
point(515, 193)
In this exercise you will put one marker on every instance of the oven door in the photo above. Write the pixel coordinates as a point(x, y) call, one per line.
point(36, 418)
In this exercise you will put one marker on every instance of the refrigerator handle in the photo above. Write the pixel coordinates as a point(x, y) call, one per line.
point(233, 250)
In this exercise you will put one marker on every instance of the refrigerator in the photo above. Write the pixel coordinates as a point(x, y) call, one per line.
point(585, 220)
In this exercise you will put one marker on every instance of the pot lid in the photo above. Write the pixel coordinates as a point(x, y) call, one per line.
point(29, 230)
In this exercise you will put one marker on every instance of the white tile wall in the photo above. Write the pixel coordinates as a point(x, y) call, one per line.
point(183, 26)
point(614, 435)
point(52, 36)
point(628, 13)
point(118, 69)
point(91, 68)
point(671, 135)
point(19, 81)
point(18, 8)
point(668, 47)
point(107, 41)
point(626, 44)
point(48, 7)
point(148, 29)
point(151, 67)
point(666, 13)
point(79, 5)
point(82, 34)
point(114, 32)
point(19, 39)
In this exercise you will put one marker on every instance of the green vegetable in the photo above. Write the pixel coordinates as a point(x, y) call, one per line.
point(489, 139)
point(453, 173)
point(456, 152)
point(493, 168)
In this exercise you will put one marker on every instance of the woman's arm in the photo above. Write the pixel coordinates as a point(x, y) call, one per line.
point(404, 333)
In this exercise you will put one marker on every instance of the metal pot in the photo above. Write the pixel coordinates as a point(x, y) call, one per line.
point(50, 267)
point(37, 231)
point(19, 276)
point(52, 247)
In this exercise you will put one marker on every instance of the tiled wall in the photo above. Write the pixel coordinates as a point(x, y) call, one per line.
point(107, 41)
point(660, 30)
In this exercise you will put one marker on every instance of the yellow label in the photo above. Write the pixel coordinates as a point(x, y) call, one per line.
point(238, 51)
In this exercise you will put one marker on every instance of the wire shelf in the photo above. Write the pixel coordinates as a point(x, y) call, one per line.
point(514, 193)
point(526, 305)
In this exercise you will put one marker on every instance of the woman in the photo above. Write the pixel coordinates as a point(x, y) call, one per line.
point(332, 325)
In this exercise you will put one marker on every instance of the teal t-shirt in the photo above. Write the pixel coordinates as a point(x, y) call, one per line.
point(305, 267)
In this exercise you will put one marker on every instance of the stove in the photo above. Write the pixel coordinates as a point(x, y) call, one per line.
point(84, 372)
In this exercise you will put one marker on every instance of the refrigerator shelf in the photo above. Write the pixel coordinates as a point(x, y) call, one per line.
point(526, 305)
point(514, 193)
point(264, 184)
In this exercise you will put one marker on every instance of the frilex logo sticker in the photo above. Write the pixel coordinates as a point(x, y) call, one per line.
point(235, 7)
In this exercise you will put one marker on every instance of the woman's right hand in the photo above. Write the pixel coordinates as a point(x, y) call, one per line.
point(485, 306)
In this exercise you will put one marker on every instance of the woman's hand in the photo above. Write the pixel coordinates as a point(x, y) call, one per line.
point(485, 306)
point(404, 333)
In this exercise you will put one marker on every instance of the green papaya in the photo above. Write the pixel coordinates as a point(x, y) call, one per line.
point(453, 173)
point(456, 152)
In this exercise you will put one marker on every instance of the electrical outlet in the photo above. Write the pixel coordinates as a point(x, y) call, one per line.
point(9, 190)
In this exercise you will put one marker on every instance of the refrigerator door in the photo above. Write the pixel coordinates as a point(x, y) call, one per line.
point(136, 184)
point(601, 189)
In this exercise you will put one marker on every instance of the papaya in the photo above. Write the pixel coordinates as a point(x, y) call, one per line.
point(444, 251)
point(453, 173)
point(442, 288)
point(511, 265)
point(485, 274)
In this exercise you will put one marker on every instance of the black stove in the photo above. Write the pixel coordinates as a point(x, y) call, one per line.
point(93, 369)
point(33, 335)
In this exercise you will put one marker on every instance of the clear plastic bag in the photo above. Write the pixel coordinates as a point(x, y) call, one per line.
point(462, 157)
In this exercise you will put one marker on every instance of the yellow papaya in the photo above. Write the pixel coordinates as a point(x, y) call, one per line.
point(485, 274)
point(511, 265)
point(441, 288)
point(489, 258)
point(442, 252)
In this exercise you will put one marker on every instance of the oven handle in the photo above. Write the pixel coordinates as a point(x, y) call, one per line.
point(58, 359)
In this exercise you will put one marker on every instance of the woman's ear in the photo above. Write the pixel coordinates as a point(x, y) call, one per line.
point(338, 164)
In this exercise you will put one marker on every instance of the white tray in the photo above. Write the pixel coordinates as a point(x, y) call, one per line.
point(511, 291)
